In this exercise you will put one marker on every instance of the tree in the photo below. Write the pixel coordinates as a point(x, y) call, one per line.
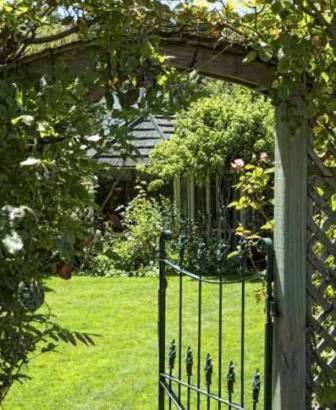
point(46, 189)
point(225, 124)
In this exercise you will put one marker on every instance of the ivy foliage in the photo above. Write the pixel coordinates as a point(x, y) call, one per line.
point(46, 118)
point(228, 122)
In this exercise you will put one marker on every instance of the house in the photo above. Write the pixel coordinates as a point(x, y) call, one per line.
point(118, 186)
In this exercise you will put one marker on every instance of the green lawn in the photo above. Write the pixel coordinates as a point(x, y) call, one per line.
point(120, 372)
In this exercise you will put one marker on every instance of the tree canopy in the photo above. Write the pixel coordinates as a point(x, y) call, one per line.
point(227, 123)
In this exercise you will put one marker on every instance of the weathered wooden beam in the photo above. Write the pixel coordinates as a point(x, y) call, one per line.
point(219, 62)
point(291, 164)
point(223, 61)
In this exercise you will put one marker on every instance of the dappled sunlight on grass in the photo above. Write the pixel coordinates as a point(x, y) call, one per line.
point(120, 371)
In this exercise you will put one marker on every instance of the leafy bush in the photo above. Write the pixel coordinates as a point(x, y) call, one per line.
point(102, 265)
point(144, 219)
point(134, 252)
point(45, 198)
point(255, 192)
point(229, 123)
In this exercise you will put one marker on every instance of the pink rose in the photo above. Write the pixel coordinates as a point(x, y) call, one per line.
point(264, 156)
point(237, 164)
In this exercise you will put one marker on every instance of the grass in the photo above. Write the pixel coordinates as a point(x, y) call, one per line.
point(120, 371)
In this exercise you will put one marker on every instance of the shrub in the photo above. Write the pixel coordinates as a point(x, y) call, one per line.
point(144, 219)
point(135, 251)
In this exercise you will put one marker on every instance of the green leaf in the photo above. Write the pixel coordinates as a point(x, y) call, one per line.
point(281, 53)
point(22, 10)
point(233, 254)
point(333, 202)
point(283, 65)
point(268, 226)
point(265, 55)
point(250, 57)
point(26, 119)
point(19, 96)
point(249, 166)
point(13, 242)
point(29, 162)
point(320, 190)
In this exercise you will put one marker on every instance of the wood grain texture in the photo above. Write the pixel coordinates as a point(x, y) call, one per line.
point(291, 161)
point(224, 61)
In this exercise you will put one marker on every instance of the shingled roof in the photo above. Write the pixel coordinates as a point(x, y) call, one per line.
point(145, 134)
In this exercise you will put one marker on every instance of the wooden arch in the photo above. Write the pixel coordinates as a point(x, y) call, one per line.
point(292, 370)
point(223, 60)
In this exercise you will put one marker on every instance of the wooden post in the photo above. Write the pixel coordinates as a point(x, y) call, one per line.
point(177, 191)
point(191, 196)
point(218, 207)
point(291, 163)
point(208, 205)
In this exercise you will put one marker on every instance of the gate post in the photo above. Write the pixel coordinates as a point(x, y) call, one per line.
point(165, 235)
point(291, 166)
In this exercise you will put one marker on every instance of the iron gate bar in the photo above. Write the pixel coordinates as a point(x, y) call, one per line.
point(221, 253)
point(243, 268)
point(200, 259)
point(231, 378)
point(182, 248)
point(233, 405)
point(191, 275)
point(172, 357)
point(263, 245)
point(180, 332)
point(256, 389)
point(266, 245)
point(172, 396)
point(208, 377)
point(165, 236)
point(189, 364)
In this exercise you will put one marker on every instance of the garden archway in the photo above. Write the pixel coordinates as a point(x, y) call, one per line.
point(296, 166)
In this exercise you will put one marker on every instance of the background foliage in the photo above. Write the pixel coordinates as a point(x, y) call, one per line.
point(43, 190)
point(46, 191)
point(229, 122)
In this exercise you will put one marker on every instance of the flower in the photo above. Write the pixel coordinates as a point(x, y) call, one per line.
point(237, 164)
point(264, 156)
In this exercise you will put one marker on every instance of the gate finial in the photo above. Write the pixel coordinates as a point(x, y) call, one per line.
point(182, 248)
point(189, 361)
point(208, 368)
point(172, 354)
point(231, 378)
point(201, 254)
point(256, 387)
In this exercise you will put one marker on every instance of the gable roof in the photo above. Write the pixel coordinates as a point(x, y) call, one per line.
point(145, 134)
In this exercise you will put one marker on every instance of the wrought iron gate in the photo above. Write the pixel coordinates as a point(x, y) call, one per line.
point(184, 382)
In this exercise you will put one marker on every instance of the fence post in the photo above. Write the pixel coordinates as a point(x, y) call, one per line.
point(165, 235)
point(291, 163)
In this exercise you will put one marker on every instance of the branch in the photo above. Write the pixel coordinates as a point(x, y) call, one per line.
point(318, 15)
point(53, 37)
